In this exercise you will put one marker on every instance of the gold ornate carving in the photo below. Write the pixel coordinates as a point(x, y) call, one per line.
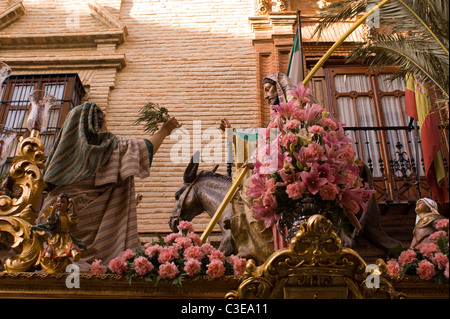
point(314, 266)
point(17, 215)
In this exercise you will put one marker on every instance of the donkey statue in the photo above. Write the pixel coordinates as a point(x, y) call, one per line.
point(202, 192)
point(205, 191)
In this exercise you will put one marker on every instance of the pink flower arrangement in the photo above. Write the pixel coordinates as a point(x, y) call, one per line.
point(428, 260)
point(310, 155)
point(173, 258)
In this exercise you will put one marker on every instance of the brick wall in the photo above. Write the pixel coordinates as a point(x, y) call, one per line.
point(195, 58)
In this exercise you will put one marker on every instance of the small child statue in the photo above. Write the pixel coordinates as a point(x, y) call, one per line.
point(427, 218)
point(62, 244)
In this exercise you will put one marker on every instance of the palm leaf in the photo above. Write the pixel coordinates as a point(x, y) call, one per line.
point(414, 37)
point(152, 115)
point(417, 18)
point(395, 50)
point(338, 12)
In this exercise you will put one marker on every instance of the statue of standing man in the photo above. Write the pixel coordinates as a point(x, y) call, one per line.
point(90, 163)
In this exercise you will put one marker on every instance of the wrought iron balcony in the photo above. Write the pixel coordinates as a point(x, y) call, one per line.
point(394, 156)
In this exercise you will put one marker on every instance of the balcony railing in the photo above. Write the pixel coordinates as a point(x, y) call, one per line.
point(394, 156)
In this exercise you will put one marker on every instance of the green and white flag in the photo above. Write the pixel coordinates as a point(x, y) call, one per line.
point(295, 66)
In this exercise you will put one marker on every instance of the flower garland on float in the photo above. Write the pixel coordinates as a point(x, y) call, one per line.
point(173, 258)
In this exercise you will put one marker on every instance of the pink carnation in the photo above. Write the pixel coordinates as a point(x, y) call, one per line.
point(152, 250)
point(238, 264)
point(97, 268)
point(442, 224)
point(407, 256)
point(446, 271)
point(147, 245)
point(185, 225)
point(313, 153)
point(348, 152)
point(168, 270)
point(298, 114)
point(393, 268)
point(192, 267)
point(295, 190)
point(128, 254)
point(194, 252)
point(428, 250)
point(216, 269)
point(142, 266)
point(118, 265)
point(171, 237)
point(440, 260)
point(207, 248)
point(316, 129)
point(434, 237)
point(183, 242)
point(288, 139)
point(425, 270)
point(350, 178)
point(216, 254)
point(167, 254)
point(195, 238)
point(329, 192)
point(292, 124)
point(328, 122)
point(269, 200)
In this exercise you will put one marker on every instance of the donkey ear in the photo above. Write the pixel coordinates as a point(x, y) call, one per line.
point(214, 169)
point(191, 170)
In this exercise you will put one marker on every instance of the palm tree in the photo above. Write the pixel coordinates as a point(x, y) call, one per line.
point(414, 36)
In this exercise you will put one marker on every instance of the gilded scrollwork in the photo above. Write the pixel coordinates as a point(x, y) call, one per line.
point(314, 266)
point(17, 215)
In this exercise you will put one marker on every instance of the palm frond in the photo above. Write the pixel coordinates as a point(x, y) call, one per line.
point(418, 18)
point(413, 37)
point(338, 12)
point(395, 50)
point(152, 115)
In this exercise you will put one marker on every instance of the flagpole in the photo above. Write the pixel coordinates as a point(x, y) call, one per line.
point(300, 45)
point(245, 169)
point(416, 131)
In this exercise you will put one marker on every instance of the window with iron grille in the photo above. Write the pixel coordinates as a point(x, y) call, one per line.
point(373, 109)
point(14, 105)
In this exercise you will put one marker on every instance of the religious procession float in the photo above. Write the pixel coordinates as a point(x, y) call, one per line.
point(286, 216)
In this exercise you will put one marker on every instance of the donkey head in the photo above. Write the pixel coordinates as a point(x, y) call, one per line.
point(186, 205)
